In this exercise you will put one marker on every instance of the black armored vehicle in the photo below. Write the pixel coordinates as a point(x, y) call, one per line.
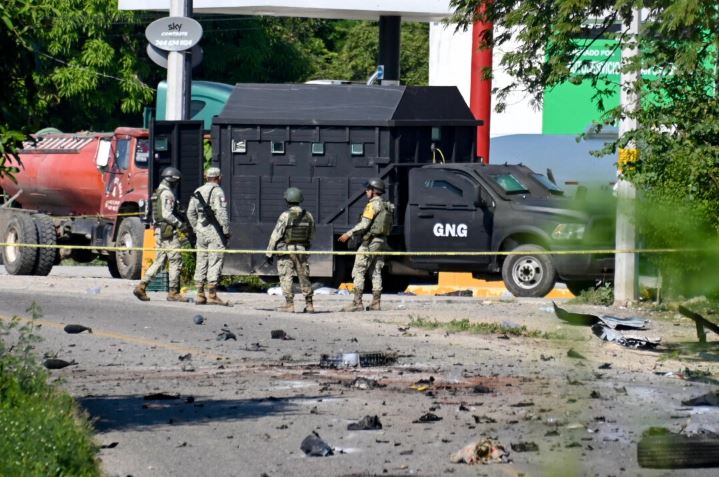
point(328, 140)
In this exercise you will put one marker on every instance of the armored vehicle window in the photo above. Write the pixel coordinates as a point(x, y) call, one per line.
point(142, 152)
point(357, 149)
point(441, 184)
point(277, 147)
point(542, 179)
point(436, 134)
point(509, 183)
point(318, 148)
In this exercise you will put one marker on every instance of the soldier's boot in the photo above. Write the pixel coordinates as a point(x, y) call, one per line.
point(375, 305)
point(175, 295)
point(288, 307)
point(140, 292)
point(309, 306)
point(212, 298)
point(201, 298)
point(356, 303)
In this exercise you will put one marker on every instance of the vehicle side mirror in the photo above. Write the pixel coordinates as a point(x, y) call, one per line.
point(103, 154)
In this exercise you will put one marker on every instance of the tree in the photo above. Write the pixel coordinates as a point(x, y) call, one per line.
point(678, 133)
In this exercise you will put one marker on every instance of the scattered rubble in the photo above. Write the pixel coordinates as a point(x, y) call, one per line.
point(524, 447)
point(75, 329)
point(225, 334)
point(708, 399)
point(198, 319)
point(367, 423)
point(428, 417)
point(314, 446)
point(280, 335)
point(55, 363)
point(357, 359)
point(485, 451)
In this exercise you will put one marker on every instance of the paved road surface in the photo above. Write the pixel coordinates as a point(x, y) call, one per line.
point(244, 406)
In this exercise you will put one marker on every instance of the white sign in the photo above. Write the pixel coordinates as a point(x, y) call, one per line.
point(174, 33)
point(450, 230)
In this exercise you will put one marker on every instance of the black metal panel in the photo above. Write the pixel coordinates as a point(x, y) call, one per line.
point(389, 41)
point(177, 144)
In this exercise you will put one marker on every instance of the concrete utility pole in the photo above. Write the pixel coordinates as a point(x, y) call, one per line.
point(179, 71)
point(625, 265)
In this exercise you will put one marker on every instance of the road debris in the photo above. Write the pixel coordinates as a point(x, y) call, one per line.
point(255, 347)
point(280, 335)
point(457, 293)
point(700, 322)
point(75, 329)
point(225, 334)
point(365, 383)
point(485, 451)
point(314, 446)
point(428, 417)
point(357, 359)
point(367, 423)
point(55, 363)
point(573, 354)
point(111, 445)
point(524, 447)
point(198, 319)
point(630, 341)
point(482, 389)
point(660, 448)
point(708, 399)
point(185, 357)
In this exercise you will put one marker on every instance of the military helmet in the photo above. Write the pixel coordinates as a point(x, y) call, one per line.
point(213, 172)
point(376, 184)
point(171, 174)
point(294, 196)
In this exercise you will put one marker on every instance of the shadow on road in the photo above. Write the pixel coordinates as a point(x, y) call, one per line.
point(112, 413)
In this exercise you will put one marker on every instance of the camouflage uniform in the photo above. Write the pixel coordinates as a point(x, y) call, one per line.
point(289, 264)
point(370, 243)
point(209, 264)
point(168, 242)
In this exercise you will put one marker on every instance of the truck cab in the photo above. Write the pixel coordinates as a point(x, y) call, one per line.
point(468, 212)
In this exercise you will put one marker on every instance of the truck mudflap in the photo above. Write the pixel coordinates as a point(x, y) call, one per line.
point(583, 266)
point(255, 237)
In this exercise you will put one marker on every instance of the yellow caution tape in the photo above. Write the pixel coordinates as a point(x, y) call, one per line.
point(352, 252)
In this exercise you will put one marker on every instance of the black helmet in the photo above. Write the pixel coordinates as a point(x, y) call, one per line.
point(171, 174)
point(294, 196)
point(376, 184)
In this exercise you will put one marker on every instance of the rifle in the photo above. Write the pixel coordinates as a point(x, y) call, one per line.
point(210, 216)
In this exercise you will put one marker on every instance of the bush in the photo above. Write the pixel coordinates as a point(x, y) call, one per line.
point(43, 432)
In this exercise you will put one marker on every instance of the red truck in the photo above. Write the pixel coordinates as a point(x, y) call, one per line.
point(88, 189)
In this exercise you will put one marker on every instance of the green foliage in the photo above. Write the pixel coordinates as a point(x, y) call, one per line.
point(43, 432)
point(477, 328)
point(603, 295)
point(677, 174)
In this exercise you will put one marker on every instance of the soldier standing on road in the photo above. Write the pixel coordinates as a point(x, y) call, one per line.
point(374, 227)
point(167, 224)
point(207, 214)
point(293, 232)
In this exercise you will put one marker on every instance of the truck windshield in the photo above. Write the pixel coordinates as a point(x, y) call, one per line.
point(509, 183)
point(542, 179)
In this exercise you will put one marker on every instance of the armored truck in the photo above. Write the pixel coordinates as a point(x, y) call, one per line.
point(328, 140)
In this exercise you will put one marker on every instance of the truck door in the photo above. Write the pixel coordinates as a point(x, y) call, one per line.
point(445, 213)
point(115, 178)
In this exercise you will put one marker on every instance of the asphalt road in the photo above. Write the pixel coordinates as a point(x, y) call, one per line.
point(243, 407)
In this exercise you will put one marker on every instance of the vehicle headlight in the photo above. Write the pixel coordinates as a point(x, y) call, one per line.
point(568, 232)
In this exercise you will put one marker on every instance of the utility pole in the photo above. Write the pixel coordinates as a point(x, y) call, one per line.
point(625, 265)
point(179, 71)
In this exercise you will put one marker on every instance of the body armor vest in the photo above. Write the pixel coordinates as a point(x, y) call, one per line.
point(382, 222)
point(299, 228)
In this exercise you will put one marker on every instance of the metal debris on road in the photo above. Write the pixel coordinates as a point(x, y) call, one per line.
point(75, 329)
point(255, 347)
point(280, 335)
point(198, 319)
point(485, 451)
point(428, 417)
point(356, 359)
point(225, 334)
point(613, 322)
point(630, 341)
point(708, 399)
point(365, 383)
point(367, 423)
point(314, 446)
point(54, 363)
point(524, 447)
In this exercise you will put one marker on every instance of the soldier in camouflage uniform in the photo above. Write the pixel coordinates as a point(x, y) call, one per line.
point(212, 231)
point(294, 231)
point(167, 224)
point(374, 226)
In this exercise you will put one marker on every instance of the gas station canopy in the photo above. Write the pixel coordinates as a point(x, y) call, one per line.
point(409, 10)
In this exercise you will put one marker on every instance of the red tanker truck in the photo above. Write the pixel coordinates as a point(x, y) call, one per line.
point(87, 189)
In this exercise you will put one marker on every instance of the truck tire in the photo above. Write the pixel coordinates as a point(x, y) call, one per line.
point(529, 274)
point(130, 234)
point(112, 265)
point(20, 229)
point(46, 235)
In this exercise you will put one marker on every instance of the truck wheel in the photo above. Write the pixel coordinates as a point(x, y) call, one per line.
point(529, 274)
point(46, 235)
point(112, 266)
point(20, 229)
point(578, 286)
point(130, 234)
